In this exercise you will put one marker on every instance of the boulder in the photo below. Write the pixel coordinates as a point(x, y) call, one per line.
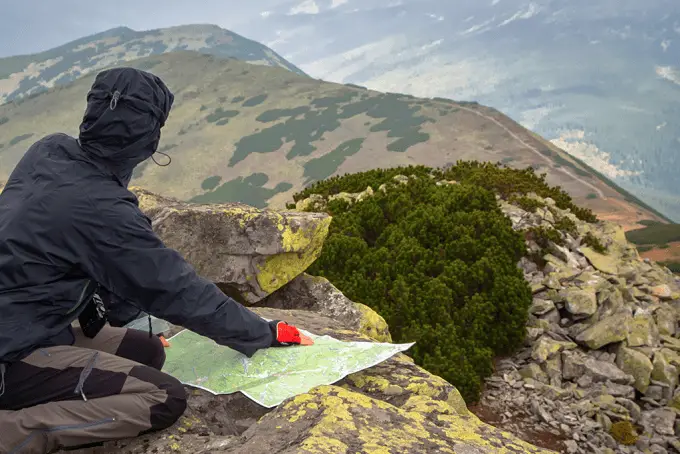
point(663, 370)
point(666, 320)
point(601, 371)
point(636, 364)
point(642, 331)
point(541, 306)
point(606, 331)
point(547, 347)
point(581, 302)
point(606, 263)
point(661, 421)
point(249, 252)
point(317, 294)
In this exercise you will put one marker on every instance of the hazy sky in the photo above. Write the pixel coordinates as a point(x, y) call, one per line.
point(28, 26)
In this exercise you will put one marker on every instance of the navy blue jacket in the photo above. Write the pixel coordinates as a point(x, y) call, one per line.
point(68, 224)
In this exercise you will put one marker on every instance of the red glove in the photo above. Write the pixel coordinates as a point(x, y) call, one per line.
point(285, 334)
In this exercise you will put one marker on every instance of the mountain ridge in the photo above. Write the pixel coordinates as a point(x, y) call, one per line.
point(28, 74)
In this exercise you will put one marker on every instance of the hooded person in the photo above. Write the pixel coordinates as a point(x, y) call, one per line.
point(74, 245)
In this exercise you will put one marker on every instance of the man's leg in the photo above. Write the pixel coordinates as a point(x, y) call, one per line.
point(45, 394)
point(131, 344)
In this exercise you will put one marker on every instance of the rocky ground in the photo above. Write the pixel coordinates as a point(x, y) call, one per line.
point(599, 371)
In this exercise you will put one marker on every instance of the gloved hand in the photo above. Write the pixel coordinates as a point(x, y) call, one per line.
point(284, 334)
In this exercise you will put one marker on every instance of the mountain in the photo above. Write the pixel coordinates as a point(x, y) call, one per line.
point(257, 134)
point(31, 74)
point(599, 79)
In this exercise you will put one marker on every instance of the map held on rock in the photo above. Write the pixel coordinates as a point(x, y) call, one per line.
point(273, 374)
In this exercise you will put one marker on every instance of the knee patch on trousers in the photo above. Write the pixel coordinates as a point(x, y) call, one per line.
point(163, 414)
point(139, 347)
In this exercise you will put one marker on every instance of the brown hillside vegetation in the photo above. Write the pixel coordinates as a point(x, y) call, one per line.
point(254, 134)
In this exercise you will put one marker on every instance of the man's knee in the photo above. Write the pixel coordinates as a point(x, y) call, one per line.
point(139, 347)
point(172, 402)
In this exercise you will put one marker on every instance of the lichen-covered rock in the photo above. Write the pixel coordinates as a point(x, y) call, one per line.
point(666, 320)
point(581, 301)
point(547, 347)
point(331, 419)
point(606, 331)
point(319, 295)
point(663, 370)
point(642, 331)
point(606, 263)
point(636, 364)
point(251, 251)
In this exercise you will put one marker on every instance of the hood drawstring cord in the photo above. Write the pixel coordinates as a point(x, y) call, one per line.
point(164, 154)
point(150, 327)
point(114, 100)
point(2, 379)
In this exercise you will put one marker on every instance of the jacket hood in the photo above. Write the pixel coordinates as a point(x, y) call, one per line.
point(121, 127)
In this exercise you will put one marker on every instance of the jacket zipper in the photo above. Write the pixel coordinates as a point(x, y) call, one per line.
point(60, 428)
point(82, 297)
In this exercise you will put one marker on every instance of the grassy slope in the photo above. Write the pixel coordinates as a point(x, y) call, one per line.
point(258, 134)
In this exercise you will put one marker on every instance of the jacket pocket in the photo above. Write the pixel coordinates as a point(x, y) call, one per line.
point(88, 290)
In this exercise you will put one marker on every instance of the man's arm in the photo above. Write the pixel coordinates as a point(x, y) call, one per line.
point(116, 246)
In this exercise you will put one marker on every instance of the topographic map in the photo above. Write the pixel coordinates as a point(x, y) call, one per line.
point(274, 374)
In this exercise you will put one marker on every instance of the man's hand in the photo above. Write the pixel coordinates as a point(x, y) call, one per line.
point(285, 334)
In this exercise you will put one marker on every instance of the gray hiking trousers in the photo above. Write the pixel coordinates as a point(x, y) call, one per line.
point(99, 389)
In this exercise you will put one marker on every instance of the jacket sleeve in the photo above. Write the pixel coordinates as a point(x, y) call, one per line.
point(116, 246)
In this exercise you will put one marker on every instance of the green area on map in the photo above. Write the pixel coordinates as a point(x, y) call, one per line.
point(273, 374)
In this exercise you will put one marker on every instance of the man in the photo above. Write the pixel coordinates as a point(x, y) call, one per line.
point(75, 245)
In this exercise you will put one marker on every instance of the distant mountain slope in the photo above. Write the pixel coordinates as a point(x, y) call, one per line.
point(256, 134)
point(29, 74)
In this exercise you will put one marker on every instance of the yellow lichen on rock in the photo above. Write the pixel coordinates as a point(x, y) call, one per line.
point(347, 422)
point(301, 248)
point(372, 324)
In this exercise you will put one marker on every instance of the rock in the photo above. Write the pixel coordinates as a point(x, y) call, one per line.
point(666, 320)
point(317, 294)
point(663, 371)
point(663, 291)
point(315, 202)
point(623, 391)
point(661, 421)
point(601, 371)
point(636, 364)
point(642, 331)
point(654, 392)
point(670, 343)
point(581, 301)
point(610, 302)
point(571, 446)
point(553, 367)
point(606, 331)
point(534, 371)
point(401, 179)
point(633, 408)
point(606, 263)
point(249, 252)
point(541, 306)
point(547, 347)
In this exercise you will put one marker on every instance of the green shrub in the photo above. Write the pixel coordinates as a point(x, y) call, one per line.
point(543, 236)
point(565, 224)
point(591, 196)
point(527, 203)
point(437, 262)
point(673, 266)
point(3, 120)
point(505, 181)
point(594, 243)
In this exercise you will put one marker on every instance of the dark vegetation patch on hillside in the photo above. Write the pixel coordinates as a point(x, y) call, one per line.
point(654, 233)
point(437, 262)
point(304, 125)
point(247, 190)
point(324, 166)
point(221, 116)
point(3, 120)
point(20, 138)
